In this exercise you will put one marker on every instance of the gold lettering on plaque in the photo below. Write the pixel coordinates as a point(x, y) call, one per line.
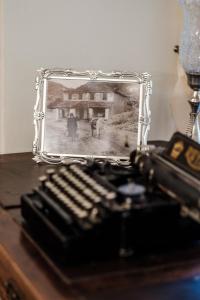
point(193, 158)
point(177, 149)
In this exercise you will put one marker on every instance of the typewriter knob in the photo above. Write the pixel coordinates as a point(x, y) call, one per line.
point(132, 193)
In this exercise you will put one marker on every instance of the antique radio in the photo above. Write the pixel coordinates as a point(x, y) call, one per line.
point(100, 209)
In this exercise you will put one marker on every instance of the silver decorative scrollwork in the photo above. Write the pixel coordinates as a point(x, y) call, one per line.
point(144, 117)
point(38, 115)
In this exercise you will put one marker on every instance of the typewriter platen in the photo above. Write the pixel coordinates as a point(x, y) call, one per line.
point(98, 209)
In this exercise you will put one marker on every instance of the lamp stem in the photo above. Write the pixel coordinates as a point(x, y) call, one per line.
point(193, 129)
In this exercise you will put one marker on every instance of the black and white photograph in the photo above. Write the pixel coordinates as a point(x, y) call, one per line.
point(91, 117)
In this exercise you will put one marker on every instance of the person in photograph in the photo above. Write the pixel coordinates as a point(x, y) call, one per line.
point(100, 126)
point(93, 125)
point(72, 126)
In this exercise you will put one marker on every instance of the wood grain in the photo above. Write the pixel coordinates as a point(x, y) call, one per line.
point(18, 175)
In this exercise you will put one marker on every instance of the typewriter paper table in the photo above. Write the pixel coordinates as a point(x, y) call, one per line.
point(27, 273)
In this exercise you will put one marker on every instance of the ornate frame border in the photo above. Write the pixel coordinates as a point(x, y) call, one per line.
point(144, 118)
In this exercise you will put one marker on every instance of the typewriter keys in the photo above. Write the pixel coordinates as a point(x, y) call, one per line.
point(78, 193)
point(75, 209)
point(72, 192)
point(80, 185)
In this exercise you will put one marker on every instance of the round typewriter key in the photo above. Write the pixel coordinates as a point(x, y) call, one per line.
point(111, 196)
point(94, 216)
point(50, 172)
point(42, 180)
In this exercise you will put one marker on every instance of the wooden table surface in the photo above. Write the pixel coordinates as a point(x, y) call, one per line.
point(174, 274)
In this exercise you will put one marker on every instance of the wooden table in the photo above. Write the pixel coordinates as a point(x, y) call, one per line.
point(27, 273)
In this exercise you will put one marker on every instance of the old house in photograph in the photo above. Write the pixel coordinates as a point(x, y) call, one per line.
point(89, 100)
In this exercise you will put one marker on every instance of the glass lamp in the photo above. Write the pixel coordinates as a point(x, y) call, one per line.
point(190, 60)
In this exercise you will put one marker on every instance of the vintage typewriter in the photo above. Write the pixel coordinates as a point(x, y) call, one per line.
point(98, 209)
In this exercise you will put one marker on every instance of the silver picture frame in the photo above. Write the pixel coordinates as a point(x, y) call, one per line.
point(90, 115)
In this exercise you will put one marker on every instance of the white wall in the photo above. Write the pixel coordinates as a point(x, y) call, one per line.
point(109, 35)
point(1, 78)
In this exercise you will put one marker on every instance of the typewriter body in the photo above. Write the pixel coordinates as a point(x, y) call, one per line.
point(99, 209)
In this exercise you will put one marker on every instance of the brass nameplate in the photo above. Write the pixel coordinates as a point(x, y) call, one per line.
point(185, 153)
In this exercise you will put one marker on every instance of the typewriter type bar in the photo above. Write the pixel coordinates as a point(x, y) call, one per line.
point(176, 171)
